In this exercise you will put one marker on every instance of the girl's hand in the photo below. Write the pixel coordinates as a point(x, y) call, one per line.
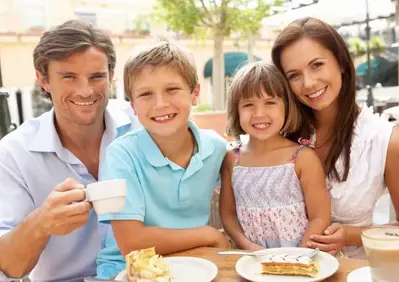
point(253, 247)
point(333, 240)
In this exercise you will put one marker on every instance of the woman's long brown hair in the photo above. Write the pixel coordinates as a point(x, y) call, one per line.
point(347, 108)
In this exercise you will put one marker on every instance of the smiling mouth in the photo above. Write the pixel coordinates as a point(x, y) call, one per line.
point(83, 103)
point(164, 118)
point(261, 125)
point(318, 93)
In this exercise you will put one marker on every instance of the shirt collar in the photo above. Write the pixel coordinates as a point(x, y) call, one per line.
point(116, 120)
point(155, 157)
point(47, 139)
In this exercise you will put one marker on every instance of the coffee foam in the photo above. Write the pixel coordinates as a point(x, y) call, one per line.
point(386, 238)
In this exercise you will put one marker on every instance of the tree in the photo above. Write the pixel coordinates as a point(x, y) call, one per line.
point(377, 45)
point(356, 46)
point(218, 19)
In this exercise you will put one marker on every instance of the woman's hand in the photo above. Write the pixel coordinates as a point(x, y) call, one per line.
point(333, 240)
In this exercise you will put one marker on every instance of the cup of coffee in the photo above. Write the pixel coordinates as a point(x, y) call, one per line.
point(381, 245)
point(107, 196)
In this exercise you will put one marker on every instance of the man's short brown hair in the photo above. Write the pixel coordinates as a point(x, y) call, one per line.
point(161, 53)
point(69, 38)
point(249, 82)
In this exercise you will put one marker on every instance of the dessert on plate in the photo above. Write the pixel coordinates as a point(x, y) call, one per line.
point(289, 264)
point(146, 266)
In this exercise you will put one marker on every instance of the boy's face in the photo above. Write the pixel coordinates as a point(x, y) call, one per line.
point(162, 100)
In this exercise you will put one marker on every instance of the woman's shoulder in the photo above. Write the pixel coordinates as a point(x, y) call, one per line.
point(368, 119)
point(370, 126)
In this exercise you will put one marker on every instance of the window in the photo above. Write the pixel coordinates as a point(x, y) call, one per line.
point(33, 17)
point(89, 17)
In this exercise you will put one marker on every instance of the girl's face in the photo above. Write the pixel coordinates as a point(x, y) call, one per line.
point(261, 117)
point(313, 73)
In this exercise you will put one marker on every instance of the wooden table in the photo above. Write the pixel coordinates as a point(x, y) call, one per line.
point(226, 265)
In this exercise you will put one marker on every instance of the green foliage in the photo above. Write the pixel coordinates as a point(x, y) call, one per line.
point(357, 47)
point(214, 17)
point(180, 15)
point(202, 108)
point(377, 45)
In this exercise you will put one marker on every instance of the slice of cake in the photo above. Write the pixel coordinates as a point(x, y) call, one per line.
point(146, 266)
point(280, 264)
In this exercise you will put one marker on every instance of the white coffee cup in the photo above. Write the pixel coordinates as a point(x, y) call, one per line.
point(107, 196)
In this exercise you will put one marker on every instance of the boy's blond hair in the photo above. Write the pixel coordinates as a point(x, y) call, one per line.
point(249, 82)
point(162, 53)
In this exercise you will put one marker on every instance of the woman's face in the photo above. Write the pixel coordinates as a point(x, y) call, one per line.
point(313, 73)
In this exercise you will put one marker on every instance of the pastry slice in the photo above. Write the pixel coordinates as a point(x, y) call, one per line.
point(281, 264)
point(146, 266)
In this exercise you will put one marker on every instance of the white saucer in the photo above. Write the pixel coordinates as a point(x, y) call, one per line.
point(361, 274)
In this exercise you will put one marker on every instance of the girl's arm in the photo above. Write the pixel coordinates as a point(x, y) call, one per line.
point(227, 207)
point(317, 200)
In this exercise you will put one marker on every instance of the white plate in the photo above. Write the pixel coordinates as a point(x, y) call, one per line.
point(361, 274)
point(186, 269)
point(250, 268)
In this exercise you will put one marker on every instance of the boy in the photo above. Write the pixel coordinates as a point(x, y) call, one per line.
point(171, 166)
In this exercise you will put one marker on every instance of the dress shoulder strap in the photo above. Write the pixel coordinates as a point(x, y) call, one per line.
point(236, 151)
point(293, 158)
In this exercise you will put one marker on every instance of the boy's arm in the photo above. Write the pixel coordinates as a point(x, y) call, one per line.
point(317, 199)
point(227, 207)
point(133, 235)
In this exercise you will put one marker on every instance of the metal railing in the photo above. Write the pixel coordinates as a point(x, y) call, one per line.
point(6, 126)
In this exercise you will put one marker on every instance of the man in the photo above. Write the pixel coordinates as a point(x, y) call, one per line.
point(46, 229)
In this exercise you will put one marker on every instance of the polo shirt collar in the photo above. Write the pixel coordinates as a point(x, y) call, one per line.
point(154, 155)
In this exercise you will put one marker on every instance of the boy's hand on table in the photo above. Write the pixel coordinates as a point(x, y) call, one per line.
point(216, 238)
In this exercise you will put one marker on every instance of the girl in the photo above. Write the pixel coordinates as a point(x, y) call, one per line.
point(273, 191)
point(359, 151)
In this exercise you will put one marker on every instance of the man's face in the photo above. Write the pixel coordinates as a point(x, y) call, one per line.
point(79, 87)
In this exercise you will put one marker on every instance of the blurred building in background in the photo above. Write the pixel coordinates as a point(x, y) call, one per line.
point(129, 22)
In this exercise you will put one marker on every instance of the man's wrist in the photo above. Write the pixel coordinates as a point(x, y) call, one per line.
point(37, 224)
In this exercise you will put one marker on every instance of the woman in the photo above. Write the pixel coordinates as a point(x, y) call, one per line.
point(360, 151)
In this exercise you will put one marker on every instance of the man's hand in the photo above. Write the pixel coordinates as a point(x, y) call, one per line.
point(64, 209)
point(333, 240)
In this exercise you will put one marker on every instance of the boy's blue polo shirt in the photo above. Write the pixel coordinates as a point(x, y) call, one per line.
point(160, 193)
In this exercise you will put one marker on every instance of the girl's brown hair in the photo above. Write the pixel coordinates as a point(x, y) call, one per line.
point(343, 129)
point(248, 82)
